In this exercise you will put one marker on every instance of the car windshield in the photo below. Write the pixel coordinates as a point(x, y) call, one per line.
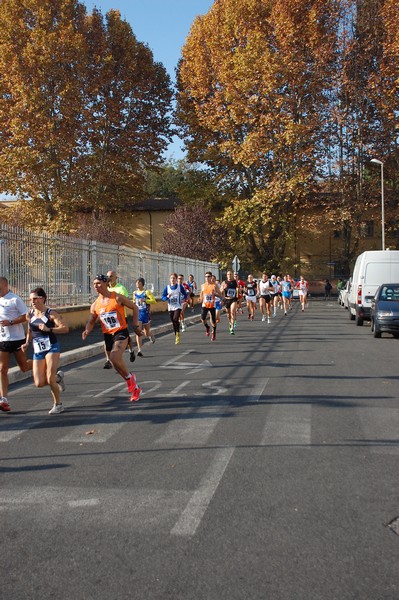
point(390, 293)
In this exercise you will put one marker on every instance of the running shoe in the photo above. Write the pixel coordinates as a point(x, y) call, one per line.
point(131, 383)
point(56, 410)
point(152, 338)
point(139, 353)
point(177, 338)
point(213, 337)
point(4, 405)
point(135, 397)
point(235, 324)
point(249, 316)
point(132, 356)
point(231, 331)
point(107, 365)
point(183, 326)
point(263, 319)
point(268, 320)
point(208, 330)
point(60, 380)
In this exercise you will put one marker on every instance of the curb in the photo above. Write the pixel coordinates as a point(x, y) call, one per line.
point(72, 356)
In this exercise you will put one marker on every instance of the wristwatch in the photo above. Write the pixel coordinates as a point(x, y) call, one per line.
point(11, 322)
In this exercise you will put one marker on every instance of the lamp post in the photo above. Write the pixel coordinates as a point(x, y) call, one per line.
point(379, 162)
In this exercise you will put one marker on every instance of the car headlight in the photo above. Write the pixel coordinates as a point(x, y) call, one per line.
point(384, 313)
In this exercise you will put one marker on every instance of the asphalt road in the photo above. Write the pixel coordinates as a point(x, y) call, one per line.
point(261, 466)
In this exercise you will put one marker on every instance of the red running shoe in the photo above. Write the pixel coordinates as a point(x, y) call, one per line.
point(135, 397)
point(131, 383)
point(208, 329)
point(4, 405)
point(213, 337)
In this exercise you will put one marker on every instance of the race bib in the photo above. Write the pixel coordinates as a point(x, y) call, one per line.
point(110, 320)
point(231, 293)
point(41, 344)
point(251, 292)
point(4, 336)
point(174, 300)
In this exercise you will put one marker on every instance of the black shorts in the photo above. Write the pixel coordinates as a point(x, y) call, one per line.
point(11, 346)
point(205, 310)
point(110, 338)
point(229, 301)
point(266, 297)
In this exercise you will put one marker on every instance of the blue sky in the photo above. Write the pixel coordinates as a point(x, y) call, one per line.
point(163, 25)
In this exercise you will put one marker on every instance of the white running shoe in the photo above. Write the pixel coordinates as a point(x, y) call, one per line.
point(183, 326)
point(263, 318)
point(56, 410)
point(152, 339)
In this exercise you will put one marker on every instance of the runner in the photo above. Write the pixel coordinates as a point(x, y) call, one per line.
point(286, 288)
point(250, 296)
point(193, 288)
point(292, 282)
point(264, 290)
point(12, 335)
point(113, 286)
point(175, 295)
point(207, 297)
point(230, 288)
point(143, 299)
point(109, 308)
point(44, 324)
point(240, 293)
point(218, 299)
point(180, 279)
point(276, 289)
point(303, 287)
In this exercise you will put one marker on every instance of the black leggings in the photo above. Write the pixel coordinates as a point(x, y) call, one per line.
point(175, 318)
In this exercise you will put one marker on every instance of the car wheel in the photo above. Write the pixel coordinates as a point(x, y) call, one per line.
point(351, 317)
point(376, 333)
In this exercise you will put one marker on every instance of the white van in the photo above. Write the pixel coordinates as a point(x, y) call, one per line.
point(372, 268)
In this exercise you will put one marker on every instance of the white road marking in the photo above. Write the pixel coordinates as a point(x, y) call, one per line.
point(28, 422)
point(192, 428)
point(176, 363)
point(288, 425)
point(258, 391)
point(92, 433)
point(192, 515)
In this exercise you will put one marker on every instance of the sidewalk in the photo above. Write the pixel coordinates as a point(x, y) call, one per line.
point(75, 349)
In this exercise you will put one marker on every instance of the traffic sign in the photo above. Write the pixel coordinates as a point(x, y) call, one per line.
point(236, 264)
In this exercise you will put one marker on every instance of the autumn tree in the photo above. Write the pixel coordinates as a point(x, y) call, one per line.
point(83, 110)
point(252, 105)
point(189, 183)
point(191, 231)
point(362, 126)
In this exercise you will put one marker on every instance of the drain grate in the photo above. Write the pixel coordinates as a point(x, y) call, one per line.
point(394, 525)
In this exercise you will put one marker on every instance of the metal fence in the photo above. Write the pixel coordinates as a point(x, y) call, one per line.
point(65, 267)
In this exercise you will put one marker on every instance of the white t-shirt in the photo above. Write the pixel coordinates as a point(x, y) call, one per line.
point(11, 307)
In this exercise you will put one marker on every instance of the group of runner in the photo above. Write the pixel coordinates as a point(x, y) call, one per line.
point(44, 323)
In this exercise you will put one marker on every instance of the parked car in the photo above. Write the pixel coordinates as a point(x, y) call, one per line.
point(344, 294)
point(372, 268)
point(385, 310)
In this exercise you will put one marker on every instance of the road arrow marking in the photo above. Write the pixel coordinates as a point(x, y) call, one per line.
point(175, 363)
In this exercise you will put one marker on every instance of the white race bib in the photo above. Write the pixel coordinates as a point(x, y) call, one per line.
point(110, 319)
point(41, 344)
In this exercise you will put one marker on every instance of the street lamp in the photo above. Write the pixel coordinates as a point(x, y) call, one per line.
point(379, 162)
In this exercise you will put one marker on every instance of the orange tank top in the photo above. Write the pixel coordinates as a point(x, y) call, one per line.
point(208, 295)
point(112, 314)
